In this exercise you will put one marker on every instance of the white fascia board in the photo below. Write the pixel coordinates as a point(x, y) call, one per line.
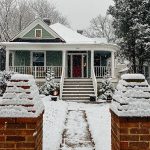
point(32, 25)
point(59, 46)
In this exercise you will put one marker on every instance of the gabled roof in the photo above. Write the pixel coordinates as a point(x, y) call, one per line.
point(69, 35)
point(32, 25)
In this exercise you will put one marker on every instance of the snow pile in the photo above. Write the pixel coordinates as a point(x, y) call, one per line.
point(132, 76)
point(132, 96)
point(21, 98)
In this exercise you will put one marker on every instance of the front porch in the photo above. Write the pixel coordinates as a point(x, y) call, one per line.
point(79, 64)
point(74, 61)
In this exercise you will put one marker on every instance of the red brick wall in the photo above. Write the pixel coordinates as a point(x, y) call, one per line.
point(21, 133)
point(130, 133)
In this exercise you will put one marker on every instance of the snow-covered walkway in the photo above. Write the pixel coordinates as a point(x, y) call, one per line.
point(76, 135)
point(55, 121)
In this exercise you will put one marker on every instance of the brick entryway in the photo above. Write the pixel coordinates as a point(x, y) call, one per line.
point(76, 135)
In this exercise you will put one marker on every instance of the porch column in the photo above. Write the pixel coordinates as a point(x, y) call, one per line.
point(7, 60)
point(112, 65)
point(92, 60)
point(64, 63)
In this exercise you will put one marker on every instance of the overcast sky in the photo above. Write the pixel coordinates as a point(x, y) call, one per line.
point(80, 12)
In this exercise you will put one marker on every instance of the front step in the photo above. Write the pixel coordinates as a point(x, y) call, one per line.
point(77, 89)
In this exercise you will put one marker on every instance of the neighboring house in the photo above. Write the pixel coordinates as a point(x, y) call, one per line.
point(40, 46)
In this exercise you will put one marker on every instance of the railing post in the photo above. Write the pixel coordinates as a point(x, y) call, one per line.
point(63, 73)
point(92, 61)
point(35, 71)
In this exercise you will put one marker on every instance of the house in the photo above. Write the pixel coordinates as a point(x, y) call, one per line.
point(75, 58)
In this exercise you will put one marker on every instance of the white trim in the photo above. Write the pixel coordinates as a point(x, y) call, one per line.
point(32, 25)
point(59, 46)
point(7, 60)
point(35, 33)
point(82, 67)
point(112, 65)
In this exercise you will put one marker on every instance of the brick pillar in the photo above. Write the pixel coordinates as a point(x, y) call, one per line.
point(21, 115)
point(21, 133)
point(130, 133)
point(130, 114)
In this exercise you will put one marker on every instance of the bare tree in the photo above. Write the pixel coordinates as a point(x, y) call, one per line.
point(6, 16)
point(15, 15)
point(44, 9)
point(101, 27)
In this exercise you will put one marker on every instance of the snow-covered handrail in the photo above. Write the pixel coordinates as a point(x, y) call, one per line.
point(94, 81)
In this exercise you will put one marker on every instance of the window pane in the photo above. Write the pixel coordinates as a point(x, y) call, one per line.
point(38, 33)
point(38, 59)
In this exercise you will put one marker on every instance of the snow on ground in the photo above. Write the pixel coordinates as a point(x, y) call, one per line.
point(99, 119)
point(53, 125)
point(76, 134)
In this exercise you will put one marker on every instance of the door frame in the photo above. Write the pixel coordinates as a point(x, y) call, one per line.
point(82, 61)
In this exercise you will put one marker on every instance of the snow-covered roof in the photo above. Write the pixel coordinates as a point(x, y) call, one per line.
point(21, 98)
point(100, 40)
point(69, 35)
point(132, 96)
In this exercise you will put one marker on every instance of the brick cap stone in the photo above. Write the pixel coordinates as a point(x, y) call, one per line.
point(21, 98)
point(132, 96)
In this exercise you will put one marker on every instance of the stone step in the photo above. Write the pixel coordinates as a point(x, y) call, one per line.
point(78, 83)
point(78, 79)
point(76, 98)
point(78, 92)
point(76, 95)
point(78, 86)
point(78, 89)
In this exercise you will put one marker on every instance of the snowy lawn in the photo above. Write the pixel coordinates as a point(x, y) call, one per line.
point(98, 118)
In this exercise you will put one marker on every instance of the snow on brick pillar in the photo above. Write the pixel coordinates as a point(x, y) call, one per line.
point(21, 115)
point(130, 114)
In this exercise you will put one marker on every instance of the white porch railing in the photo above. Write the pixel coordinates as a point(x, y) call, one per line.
point(101, 71)
point(36, 71)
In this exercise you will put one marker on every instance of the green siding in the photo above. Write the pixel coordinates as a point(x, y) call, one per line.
point(54, 58)
point(22, 58)
point(31, 33)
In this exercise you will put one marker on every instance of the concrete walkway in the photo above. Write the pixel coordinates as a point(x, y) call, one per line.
point(76, 135)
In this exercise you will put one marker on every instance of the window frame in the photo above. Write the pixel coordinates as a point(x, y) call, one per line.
point(31, 63)
point(36, 34)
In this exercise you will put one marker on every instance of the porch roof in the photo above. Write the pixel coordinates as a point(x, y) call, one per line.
point(59, 46)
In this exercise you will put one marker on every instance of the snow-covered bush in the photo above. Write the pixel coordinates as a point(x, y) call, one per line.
point(50, 85)
point(106, 90)
point(4, 77)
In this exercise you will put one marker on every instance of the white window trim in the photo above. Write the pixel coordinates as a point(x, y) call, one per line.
point(35, 33)
point(31, 57)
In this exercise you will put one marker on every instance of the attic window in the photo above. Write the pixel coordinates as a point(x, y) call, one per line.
point(38, 33)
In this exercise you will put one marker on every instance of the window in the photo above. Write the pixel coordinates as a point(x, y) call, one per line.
point(38, 59)
point(97, 60)
point(38, 33)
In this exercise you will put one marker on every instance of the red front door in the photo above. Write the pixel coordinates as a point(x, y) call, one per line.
point(77, 66)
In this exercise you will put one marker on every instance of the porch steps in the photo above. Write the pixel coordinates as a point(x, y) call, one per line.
point(77, 89)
